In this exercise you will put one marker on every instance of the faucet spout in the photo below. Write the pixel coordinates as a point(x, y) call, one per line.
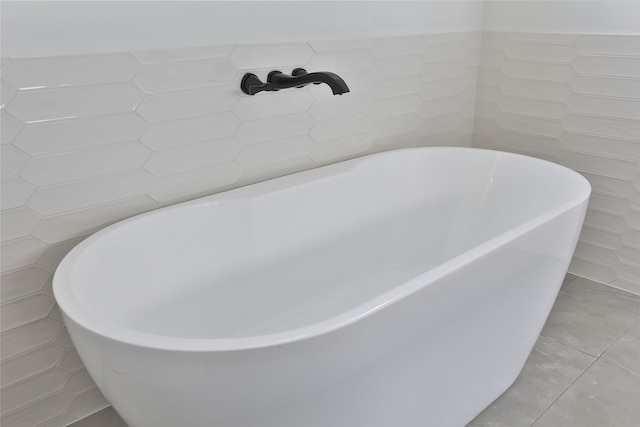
point(299, 78)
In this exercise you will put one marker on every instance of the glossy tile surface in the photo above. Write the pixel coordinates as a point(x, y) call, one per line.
point(574, 100)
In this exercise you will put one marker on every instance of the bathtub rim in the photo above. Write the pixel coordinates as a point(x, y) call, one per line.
point(73, 310)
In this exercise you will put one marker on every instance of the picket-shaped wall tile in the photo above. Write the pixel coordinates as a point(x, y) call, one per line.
point(14, 192)
point(603, 126)
point(595, 254)
point(489, 76)
point(28, 337)
point(182, 54)
point(551, 91)
point(487, 110)
point(25, 310)
point(608, 44)
point(394, 125)
point(6, 94)
point(333, 45)
point(76, 165)
point(605, 221)
point(620, 87)
point(272, 170)
point(610, 185)
point(395, 106)
point(64, 71)
point(269, 104)
point(442, 70)
point(339, 127)
point(631, 237)
point(82, 101)
point(12, 160)
point(628, 273)
point(254, 131)
point(439, 124)
point(439, 106)
point(72, 225)
point(33, 362)
point(341, 148)
point(395, 46)
point(491, 58)
point(629, 255)
point(52, 257)
point(195, 182)
point(495, 40)
point(528, 143)
point(342, 61)
point(619, 66)
point(67, 135)
point(78, 382)
point(593, 236)
point(328, 107)
point(540, 52)
point(85, 403)
point(193, 156)
point(532, 125)
point(17, 223)
point(440, 88)
point(270, 55)
point(445, 52)
point(174, 133)
point(29, 391)
point(558, 72)
point(550, 38)
point(39, 412)
point(600, 106)
point(600, 165)
point(9, 127)
point(57, 199)
point(175, 76)
point(599, 145)
point(63, 338)
point(20, 283)
point(533, 107)
point(444, 38)
point(273, 151)
point(176, 105)
point(71, 361)
point(397, 66)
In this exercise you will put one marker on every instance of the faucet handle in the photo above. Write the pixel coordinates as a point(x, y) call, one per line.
point(251, 84)
point(273, 73)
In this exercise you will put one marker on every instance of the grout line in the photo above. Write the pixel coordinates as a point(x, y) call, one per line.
point(597, 358)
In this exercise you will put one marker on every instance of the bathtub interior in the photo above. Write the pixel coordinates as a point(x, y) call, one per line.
point(291, 252)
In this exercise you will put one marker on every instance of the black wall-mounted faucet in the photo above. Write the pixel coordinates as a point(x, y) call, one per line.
point(299, 77)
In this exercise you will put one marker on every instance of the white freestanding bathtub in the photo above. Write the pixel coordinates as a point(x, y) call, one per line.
point(405, 288)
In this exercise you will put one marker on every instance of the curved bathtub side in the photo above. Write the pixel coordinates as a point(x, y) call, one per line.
point(437, 358)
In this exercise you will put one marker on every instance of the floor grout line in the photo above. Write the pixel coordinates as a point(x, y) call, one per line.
point(597, 358)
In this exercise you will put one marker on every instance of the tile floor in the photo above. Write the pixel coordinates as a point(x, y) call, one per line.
point(584, 370)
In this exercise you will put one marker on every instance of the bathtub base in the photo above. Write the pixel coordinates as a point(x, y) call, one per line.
point(436, 359)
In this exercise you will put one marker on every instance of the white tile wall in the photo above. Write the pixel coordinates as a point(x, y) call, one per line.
point(575, 100)
point(103, 137)
point(91, 139)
